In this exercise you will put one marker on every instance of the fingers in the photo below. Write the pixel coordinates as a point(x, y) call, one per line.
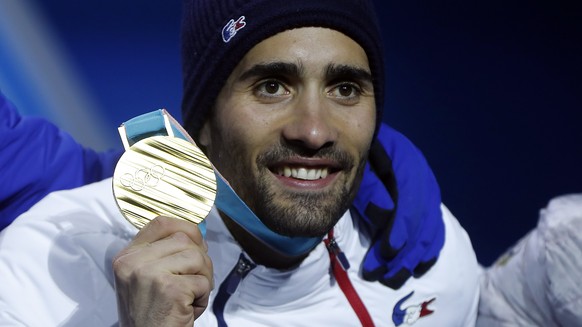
point(167, 300)
point(189, 295)
point(177, 242)
point(164, 277)
point(162, 227)
point(175, 254)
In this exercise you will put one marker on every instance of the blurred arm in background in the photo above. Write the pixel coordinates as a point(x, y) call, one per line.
point(36, 158)
point(538, 281)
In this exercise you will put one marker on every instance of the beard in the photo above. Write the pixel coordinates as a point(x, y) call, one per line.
point(292, 213)
point(311, 215)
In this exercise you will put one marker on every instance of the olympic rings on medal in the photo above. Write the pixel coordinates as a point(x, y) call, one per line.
point(143, 177)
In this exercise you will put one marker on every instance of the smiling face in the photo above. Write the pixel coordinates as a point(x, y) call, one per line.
point(292, 126)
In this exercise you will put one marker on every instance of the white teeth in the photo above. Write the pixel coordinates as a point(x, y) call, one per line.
point(311, 174)
point(303, 173)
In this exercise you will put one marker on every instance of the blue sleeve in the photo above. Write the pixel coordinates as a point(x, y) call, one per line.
point(37, 158)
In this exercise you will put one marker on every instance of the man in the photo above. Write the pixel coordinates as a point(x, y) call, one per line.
point(284, 98)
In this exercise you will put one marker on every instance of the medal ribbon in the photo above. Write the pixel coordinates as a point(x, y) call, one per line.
point(160, 122)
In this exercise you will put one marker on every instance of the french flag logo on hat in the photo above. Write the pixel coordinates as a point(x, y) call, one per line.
point(232, 27)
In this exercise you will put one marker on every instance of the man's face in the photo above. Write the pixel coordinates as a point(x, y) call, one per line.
point(292, 126)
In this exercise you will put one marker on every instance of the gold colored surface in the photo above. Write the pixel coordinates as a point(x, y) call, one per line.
point(164, 176)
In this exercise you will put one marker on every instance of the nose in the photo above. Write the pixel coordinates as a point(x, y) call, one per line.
point(311, 124)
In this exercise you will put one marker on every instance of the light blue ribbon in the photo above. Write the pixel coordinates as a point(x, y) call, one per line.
point(227, 201)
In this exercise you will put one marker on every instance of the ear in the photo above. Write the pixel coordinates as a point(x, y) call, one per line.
point(204, 136)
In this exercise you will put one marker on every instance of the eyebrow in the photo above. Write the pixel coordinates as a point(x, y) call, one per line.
point(272, 69)
point(333, 72)
point(347, 72)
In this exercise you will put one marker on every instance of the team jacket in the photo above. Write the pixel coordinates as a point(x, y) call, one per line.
point(538, 281)
point(55, 263)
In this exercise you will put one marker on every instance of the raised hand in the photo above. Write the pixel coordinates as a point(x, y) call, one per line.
point(164, 277)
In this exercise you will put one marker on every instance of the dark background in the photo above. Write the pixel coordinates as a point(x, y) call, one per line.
point(491, 92)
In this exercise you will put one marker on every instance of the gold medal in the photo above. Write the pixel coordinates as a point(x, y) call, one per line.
point(163, 175)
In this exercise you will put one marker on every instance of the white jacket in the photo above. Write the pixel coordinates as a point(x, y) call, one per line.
point(539, 281)
point(55, 268)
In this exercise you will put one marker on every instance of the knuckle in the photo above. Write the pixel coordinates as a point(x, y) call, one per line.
point(160, 222)
point(163, 283)
point(208, 262)
point(182, 238)
point(121, 266)
point(192, 255)
point(206, 284)
point(129, 271)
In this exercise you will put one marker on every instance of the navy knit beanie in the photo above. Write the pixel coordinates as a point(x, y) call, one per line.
point(217, 34)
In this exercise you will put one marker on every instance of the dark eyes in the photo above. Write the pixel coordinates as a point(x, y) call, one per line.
point(271, 88)
point(348, 92)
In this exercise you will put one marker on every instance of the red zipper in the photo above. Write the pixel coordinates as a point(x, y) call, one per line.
point(339, 267)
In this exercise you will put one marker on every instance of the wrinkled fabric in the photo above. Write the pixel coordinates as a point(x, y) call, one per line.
point(37, 158)
point(538, 281)
point(55, 263)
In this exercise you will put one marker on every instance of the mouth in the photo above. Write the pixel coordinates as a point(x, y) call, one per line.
point(303, 173)
point(306, 174)
point(312, 173)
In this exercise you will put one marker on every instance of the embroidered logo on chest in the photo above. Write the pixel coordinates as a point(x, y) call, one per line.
point(409, 314)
